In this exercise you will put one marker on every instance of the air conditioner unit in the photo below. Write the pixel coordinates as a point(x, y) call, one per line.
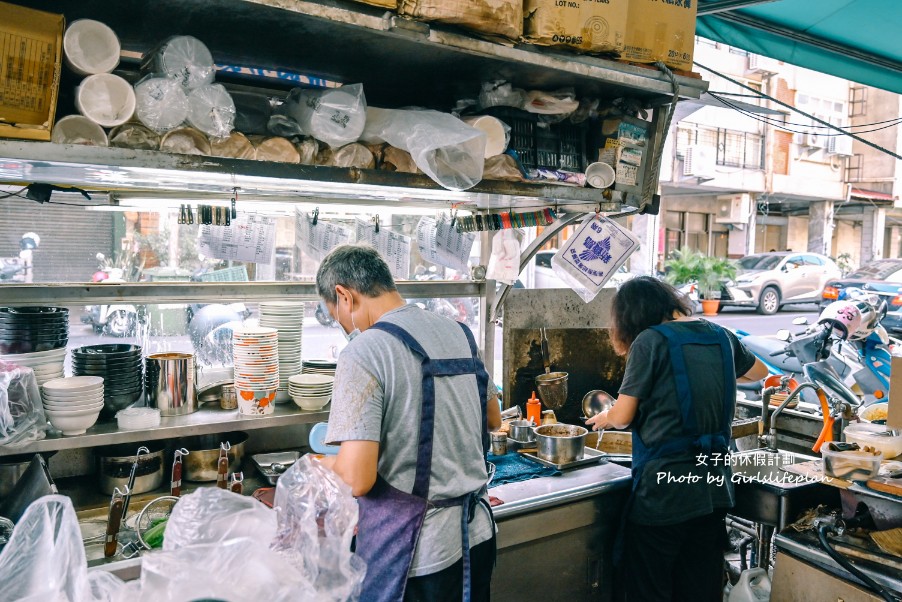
point(840, 145)
point(734, 209)
point(763, 64)
point(698, 161)
point(814, 140)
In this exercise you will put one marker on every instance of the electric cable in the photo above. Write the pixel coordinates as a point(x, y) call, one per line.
point(844, 563)
point(18, 194)
point(852, 135)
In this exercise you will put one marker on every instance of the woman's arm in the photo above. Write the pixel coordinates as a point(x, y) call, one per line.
point(619, 417)
point(755, 373)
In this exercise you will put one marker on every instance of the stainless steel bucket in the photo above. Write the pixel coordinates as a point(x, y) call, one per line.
point(560, 443)
point(171, 383)
point(11, 470)
point(552, 389)
point(521, 430)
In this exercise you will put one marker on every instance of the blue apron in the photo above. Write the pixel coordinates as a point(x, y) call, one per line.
point(691, 439)
point(391, 520)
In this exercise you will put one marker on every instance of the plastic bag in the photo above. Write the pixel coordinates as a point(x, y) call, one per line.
point(22, 418)
point(592, 255)
point(504, 168)
point(500, 93)
point(211, 110)
point(184, 58)
point(308, 149)
point(352, 155)
point(252, 112)
point(44, 560)
point(395, 159)
point(504, 263)
point(335, 116)
point(211, 515)
point(135, 136)
point(160, 103)
point(560, 102)
point(442, 146)
point(317, 516)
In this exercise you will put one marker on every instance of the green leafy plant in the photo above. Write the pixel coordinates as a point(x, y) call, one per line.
point(683, 267)
point(714, 271)
point(844, 263)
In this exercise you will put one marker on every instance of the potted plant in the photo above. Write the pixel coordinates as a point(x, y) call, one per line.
point(684, 268)
point(713, 271)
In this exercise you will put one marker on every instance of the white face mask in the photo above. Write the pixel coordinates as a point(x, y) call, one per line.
point(349, 336)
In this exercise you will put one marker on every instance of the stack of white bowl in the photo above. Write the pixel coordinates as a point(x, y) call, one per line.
point(288, 319)
point(47, 365)
point(326, 367)
point(73, 404)
point(255, 352)
point(311, 391)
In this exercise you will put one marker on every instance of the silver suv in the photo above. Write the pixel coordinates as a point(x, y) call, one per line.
point(768, 281)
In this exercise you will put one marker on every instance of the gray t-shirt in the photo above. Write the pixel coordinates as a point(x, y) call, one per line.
point(649, 377)
point(378, 397)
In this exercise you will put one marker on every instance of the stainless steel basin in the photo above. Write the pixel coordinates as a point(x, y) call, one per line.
point(765, 493)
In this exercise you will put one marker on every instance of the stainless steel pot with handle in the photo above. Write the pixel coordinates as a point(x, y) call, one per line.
point(202, 461)
point(521, 430)
point(560, 443)
point(114, 466)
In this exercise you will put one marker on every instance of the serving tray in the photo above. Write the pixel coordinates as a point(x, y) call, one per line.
point(590, 456)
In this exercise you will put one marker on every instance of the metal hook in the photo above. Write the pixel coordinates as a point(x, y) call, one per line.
point(315, 216)
point(376, 222)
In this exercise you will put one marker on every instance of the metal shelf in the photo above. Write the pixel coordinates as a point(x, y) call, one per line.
point(194, 177)
point(211, 292)
point(203, 422)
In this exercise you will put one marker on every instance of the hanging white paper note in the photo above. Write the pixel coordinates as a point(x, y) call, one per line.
point(442, 244)
point(249, 238)
point(394, 247)
point(316, 241)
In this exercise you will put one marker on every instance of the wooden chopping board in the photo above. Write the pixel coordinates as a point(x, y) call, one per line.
point(886, 485)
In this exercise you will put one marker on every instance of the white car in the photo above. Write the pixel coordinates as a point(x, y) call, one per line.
point(546, 278)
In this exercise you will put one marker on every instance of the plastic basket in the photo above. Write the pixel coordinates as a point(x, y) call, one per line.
point(539, 145)
point(233, 274)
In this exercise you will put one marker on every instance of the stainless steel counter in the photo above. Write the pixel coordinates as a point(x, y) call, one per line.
point(546, 492)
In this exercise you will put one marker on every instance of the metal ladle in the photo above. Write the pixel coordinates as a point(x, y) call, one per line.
point(594, 403)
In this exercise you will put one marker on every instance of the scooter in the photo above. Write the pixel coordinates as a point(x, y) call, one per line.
point(113, 320)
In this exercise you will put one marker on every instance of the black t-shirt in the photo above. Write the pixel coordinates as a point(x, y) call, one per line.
point(678, 488)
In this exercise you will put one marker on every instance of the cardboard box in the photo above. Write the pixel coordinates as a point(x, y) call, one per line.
point(31, 48)
point(389, 4)
point(661, 30)
point(595, 26)
point(494, 18)
point(894, 407)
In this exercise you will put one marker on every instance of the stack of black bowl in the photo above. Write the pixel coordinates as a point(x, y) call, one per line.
point(30, 329)
point(121, 369)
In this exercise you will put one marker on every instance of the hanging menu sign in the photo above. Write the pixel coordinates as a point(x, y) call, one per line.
point(441, 244)
point(250, 238)
point(394, 247)
point(317, 240)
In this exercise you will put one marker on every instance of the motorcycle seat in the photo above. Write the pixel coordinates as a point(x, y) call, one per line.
point(764, 346)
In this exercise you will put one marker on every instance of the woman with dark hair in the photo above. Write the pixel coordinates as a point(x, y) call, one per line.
point(678, 394)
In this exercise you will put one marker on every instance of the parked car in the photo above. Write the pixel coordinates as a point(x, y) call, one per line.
point(546, 278)
point(882, 277)
point(768, 281)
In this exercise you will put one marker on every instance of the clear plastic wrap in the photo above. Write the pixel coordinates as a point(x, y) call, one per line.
point(442, 146)
point(504, 263)
point(352, 155)
point(184, 58)
point(186, 141)
point(211, 110)
point(22, 418)
point(44, 560)
point(317, 516)
point(335, 116)
point(504, 168)
point(161, 103)
point(592, 255)
point(308, 149)
point(211, 515)
point(136, 136)
point(500, 93)
point(395, 159)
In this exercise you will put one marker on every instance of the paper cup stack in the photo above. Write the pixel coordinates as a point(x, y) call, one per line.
point(256, 360)
point(311, 391)
point(73, 404)
point(288, 319)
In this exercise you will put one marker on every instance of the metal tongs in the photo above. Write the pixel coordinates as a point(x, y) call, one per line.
point(175, 488)
point(114, 521)
point(131, 481)
point(222, 467)
point(546, 356)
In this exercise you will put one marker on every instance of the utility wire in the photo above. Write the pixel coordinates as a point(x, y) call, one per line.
point(717, 94)
point(782, 125)
point(18, 194)
point(852, 135)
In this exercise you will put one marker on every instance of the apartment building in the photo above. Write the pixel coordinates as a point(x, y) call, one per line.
point(757, 177)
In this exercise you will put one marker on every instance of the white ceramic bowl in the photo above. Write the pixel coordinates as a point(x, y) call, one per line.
point(94, 397)
point(66, 409)
point(311, 379)
point(73, 423)
point(311, 403)
point(74, 384)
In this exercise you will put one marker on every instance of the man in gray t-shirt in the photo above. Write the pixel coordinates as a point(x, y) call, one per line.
point(377, 416)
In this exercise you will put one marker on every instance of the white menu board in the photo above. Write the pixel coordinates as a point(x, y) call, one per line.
point(249, 238)
point(394, 247)
point(316, 241)
point(442, 244)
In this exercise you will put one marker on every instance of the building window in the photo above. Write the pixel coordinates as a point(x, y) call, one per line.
point(858, 101)
point(854, 168)
point(685, 229)
point(733, 148)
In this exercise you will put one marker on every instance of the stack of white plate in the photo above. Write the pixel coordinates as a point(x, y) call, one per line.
point(47, 365)
point(255, 352)
point(288, 319)
point(311, 391)
point(326, 367)
point(73, 404)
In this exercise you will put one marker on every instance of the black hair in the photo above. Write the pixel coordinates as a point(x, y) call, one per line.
point(640, 303)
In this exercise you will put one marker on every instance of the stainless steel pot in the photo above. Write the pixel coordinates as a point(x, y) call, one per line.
point(114, 465)
point(560, 443)
point(203, 455)
point(521, 430)
point(170, 383)
point(11, 470)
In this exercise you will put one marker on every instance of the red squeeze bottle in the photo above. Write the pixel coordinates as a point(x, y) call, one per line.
point(534, 410)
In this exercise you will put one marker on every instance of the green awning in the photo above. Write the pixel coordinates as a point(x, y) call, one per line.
point(858, 40)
